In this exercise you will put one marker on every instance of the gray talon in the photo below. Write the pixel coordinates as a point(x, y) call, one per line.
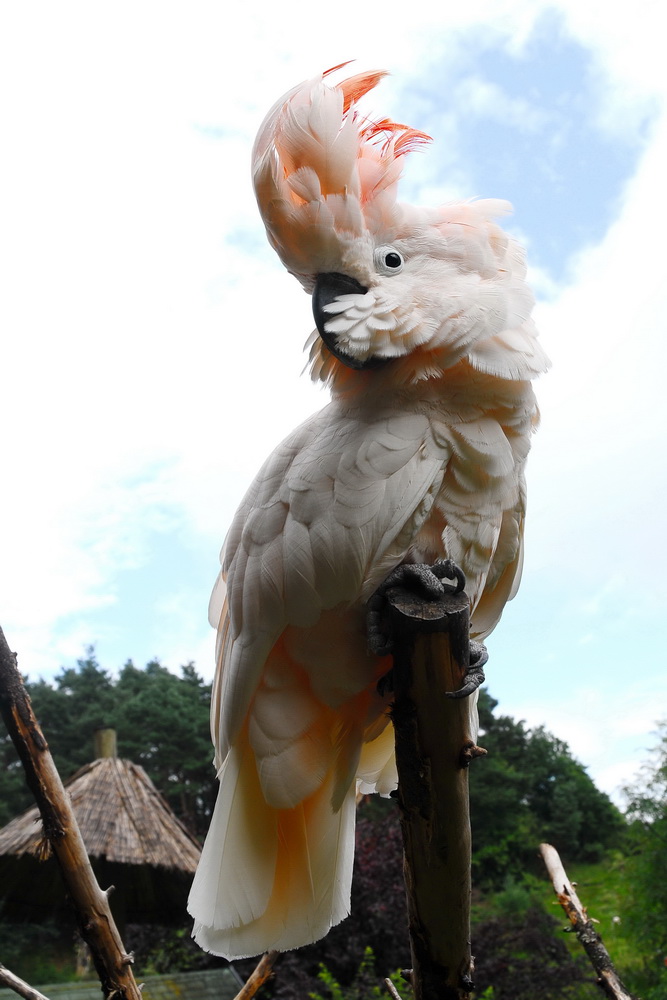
point(474, 675)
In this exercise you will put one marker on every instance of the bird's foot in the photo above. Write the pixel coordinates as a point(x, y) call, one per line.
point(474, 675)
point(474, 672)
point(425, 581)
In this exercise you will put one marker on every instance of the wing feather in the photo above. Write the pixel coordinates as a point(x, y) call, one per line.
point(316, 529)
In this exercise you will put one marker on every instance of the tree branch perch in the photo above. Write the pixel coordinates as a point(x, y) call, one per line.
point(91, 905)
point(433, 747)
point(262, 971)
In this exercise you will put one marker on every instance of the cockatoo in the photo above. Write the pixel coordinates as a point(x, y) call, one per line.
point(425, 338)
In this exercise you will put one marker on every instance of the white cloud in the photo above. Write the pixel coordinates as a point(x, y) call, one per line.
point(484, 99)
point(598, 470)
point(627, 44)
point(606, 729)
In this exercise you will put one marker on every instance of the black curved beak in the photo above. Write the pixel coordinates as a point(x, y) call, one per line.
point(328, 287)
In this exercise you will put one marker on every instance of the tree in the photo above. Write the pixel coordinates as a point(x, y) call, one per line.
point(646, 868)
point(530, 788)
point(163, 724)
point(161, 720)
point(14, 794)
point(81, 701)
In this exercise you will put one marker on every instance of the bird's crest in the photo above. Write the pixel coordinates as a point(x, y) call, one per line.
point(321, 170)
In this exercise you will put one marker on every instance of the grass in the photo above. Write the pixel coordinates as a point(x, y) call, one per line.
point(603, 891)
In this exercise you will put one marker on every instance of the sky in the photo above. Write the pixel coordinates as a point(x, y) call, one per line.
point(152, 343)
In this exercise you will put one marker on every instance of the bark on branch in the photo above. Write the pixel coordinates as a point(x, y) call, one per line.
point(91, 906)
point(262, 971)
point(433, 747)
point(607, 977)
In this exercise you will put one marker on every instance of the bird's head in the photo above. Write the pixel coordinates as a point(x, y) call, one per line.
point(406, 289)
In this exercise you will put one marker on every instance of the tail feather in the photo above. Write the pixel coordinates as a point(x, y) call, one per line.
point(282, 876)
point(377, 765)
point(242, 825)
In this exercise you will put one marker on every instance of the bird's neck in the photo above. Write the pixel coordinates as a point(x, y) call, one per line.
point(460, 393)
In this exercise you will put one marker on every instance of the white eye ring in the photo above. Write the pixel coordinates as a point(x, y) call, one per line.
point(387, 260)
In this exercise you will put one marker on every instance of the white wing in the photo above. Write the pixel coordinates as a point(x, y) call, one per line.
point(332, 510)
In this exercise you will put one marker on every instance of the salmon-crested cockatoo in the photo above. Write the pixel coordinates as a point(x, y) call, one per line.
point(425, 338)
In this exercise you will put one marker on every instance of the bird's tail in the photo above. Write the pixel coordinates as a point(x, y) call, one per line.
point(270, 878)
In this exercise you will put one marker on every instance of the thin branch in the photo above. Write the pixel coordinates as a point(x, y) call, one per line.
point(23, 989)
point(61, 829)
point(258, 977)
point(391, 989)
point(608, 979)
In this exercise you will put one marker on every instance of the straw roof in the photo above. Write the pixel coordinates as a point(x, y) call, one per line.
point(122, 818)
point(134, 841)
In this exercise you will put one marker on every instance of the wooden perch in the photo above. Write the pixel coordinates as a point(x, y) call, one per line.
point(8, 978)
point(607, 977)
point(262, 971)
point(60, 828)
point(433, 747)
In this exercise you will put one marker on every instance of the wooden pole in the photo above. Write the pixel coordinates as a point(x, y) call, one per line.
point(434, 745)
point(608, 979)
point(62, 831)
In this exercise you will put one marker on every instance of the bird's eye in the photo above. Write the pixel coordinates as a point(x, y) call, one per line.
point(388, 260)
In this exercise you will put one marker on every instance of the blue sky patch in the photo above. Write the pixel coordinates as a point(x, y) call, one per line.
point(525, 126)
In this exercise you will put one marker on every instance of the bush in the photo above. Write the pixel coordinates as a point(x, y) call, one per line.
point(38, 953)
point(366, 985)
point(520, 956)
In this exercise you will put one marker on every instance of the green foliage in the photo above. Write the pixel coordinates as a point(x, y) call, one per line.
point(645, 910)
point(161, 720)
point(163, 723)
point(602, 889)
point(366, 984)
point(165, 949)
point(522, 956)
point(531, 789)
point(37, 953)
point(520, 950)
point(81, 701)
point(330, 983)
point(14, 794)
point(528, 789)
point(515, 898)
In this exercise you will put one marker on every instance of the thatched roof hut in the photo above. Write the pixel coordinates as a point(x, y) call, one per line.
point(134, 841)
